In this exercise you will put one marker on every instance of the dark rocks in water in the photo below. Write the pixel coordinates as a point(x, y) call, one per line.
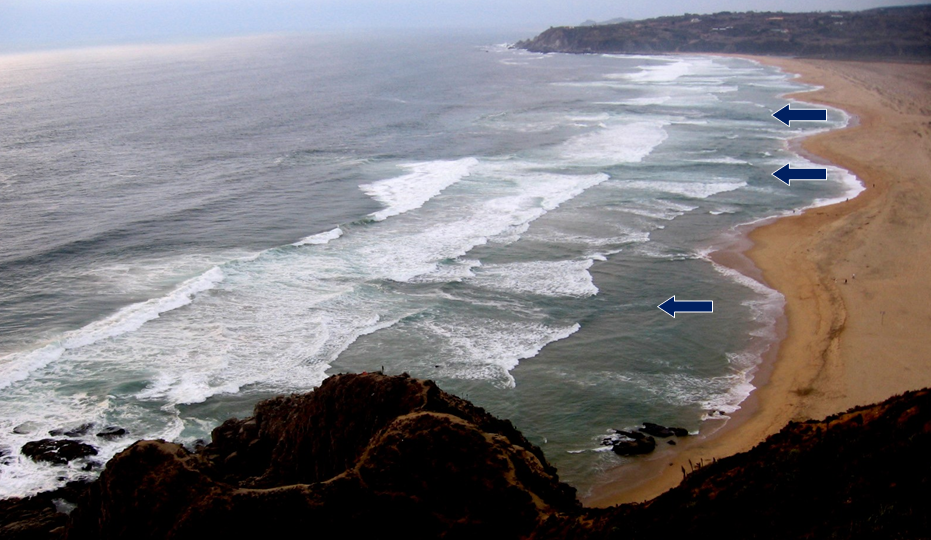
point(59, 451)
point(634, 447)
point(657, 430)
point(78, 431)
point(362, 454)
point(111, 432)
point(672, 442)
point(635, 435)
point(641, 441)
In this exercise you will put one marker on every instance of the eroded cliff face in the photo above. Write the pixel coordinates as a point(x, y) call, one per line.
point(363, 455)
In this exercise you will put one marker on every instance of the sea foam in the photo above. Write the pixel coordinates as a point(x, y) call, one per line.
point(425, 181)
point(321, 238)
point(556, 278)
point(615, 144)
point(19, 366)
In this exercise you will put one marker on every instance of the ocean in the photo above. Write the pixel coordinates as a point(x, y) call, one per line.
point(190, 228)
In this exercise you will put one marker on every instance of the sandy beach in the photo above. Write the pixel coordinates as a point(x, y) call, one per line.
point(856, 275)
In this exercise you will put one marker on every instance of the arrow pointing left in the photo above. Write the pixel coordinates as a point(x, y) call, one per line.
point(787, 114)
point(787, 174)
point(673, 306)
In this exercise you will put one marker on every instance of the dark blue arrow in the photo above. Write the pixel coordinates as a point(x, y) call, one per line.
point(786, 174)
point(786, 114)
point(672, 306)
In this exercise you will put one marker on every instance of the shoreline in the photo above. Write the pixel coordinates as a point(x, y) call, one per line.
point(830, 356)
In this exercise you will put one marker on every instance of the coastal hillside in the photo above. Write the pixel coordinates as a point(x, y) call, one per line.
point(377, 456)
point(902, 33)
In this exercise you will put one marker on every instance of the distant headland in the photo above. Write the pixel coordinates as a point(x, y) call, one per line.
point(892, 33)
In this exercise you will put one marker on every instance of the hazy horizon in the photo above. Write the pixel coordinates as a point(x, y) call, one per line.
point(40, 24)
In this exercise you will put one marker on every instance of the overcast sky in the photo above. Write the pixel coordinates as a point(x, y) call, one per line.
point(26, 24)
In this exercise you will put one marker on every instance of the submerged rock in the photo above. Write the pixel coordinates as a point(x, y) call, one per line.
point(111, 432)
point(634, 447)
point(26, 428)
point(78, 431)
point(656, 430)
point(679, 432)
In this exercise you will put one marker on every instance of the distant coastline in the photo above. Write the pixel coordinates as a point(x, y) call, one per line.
point(895, 33)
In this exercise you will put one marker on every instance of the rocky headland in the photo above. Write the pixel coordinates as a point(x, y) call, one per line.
point(894, 33)
point(379, 456)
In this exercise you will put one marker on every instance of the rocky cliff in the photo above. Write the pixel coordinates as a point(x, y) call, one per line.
point(394, 457)
point(365, 455)
point(901, 33)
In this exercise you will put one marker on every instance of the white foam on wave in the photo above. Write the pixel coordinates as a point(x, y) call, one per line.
point(765, 310)
point(18, 366)
point(615, 144)
point(643, 101)
point(658, 209)
point(718, 394)
point(151, 277)
point(281, 335)
point(590, 118)
point(725, 160)
point(134, 316)
point(693, 190)
point(488, 349)
point(449, 272)
point(617, 235)
point(546, 278)
point(661, 73)
point(320, 238)
point(475, 222)
point(425, 181)
point(852, 187)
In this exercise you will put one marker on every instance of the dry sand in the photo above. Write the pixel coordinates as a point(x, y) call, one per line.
point(856, 275)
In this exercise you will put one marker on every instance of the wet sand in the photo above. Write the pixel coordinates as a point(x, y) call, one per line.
point(856, 275)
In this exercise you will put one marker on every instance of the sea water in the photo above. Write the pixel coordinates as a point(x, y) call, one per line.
point(190, 228)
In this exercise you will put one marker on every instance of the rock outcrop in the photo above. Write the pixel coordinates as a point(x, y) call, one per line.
point(366, 455)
